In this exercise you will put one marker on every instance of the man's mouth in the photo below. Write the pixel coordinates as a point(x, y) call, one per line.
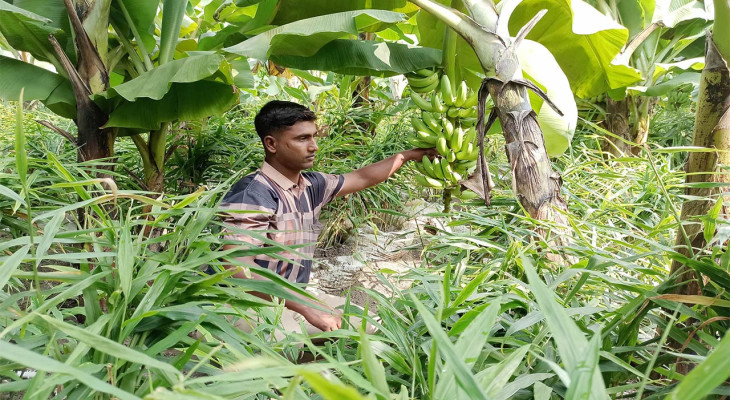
point(310, 157)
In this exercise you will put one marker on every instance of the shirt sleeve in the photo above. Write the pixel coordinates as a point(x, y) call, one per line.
point(331, 185)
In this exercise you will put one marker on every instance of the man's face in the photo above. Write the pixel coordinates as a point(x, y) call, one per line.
point(295, 147)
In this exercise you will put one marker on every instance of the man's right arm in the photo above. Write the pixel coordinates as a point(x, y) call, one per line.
point(323, 320)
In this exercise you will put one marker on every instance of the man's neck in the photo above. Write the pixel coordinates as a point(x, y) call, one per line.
point(292, 175)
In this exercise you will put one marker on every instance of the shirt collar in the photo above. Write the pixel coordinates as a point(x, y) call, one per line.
point(280, 179)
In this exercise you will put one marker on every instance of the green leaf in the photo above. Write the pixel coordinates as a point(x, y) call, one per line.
point(540, 66)
point(184, 101)
point(57, 15)
point(673, 83)
point(306, 37)
point(635, 14)
point(710, 222)
point(581, 377)
point(27, 358)
point(154, 84)
point(572, 344)
point(710, 374)
point(330, 389)
point(27, 31)
point(39, 83)
point(5, 191)
point(503, 371)
point(295, 10)
point(583, 41)
point(243, 78)
point(364, 58)
point(672, 13)
point(142, 14)
point(462, 373)
point(108, 346)
point(21, 156)
point(49, 233)
point(373, 368)
point(125, 261)
point(10, 264)
point(173, 12)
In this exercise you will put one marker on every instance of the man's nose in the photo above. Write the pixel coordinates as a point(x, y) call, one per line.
point(313, 145)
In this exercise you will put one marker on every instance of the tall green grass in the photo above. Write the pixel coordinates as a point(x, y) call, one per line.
point(111, 308)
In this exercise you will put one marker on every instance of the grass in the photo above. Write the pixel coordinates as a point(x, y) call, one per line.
point(487, 316)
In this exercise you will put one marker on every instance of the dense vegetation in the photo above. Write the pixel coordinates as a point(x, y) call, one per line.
point(475, 289)
point(103, 292)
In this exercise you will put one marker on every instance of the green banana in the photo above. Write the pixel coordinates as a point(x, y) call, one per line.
point(469, 137)
point(446, 92)
point(461, 94)
point(471, 153)
point(419, 125)
point(422, 103)
point(472, 100)
point(421, 180)
point(448, 172)
point(451, 156)
point(425, 72)
point(465, 164)
point(457, 139)
point(434, 183)
point(419, 167)
point(416, 142)
point(436, 171)
point(436, 103)
point(421, 82)
point(425, 89)
point(467, 122)
point(442, 147)
point(427, 138)
point(428, 167)
point(448, 128)
point(467, 112)
point(431, 121)
point(453, 112)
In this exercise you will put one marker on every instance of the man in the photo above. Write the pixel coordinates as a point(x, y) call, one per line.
point(290, 201)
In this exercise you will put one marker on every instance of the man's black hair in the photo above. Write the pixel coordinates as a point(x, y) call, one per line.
point(279, 115)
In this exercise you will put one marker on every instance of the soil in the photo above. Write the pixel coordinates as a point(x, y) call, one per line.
point(355, 265)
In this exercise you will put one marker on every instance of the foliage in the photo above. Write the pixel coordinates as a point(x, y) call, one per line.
point(476, 321)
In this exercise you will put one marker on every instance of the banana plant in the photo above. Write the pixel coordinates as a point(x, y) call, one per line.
point(658, 41)
point(126, 81)
point(535, 183)
point(666, 47)
point(704, 177)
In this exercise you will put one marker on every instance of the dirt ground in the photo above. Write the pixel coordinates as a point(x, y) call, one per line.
point(354, 265)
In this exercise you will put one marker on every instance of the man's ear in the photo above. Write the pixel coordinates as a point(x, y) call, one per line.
point(270, 144)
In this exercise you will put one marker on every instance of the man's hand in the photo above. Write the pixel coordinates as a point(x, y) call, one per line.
point(323, 320)
point(417, 154)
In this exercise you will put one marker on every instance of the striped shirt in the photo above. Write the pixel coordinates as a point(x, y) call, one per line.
point(287, 213)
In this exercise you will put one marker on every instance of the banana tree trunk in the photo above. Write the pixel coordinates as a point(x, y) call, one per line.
point(644, 110)
point(617, 122)
point(629, 119)
point(89, 76)
point(153, 156)
point(712, 131)
point(534, 182)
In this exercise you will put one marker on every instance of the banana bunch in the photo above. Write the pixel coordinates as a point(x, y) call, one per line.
point(423, 81)
point(447, 123)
